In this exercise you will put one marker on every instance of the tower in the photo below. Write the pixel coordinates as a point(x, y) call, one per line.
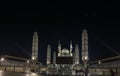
point(85, 47)
point(54, 57)
point(35, 47)
point(48, 55)
point(71, 48)
point(59, 48)
point(76, 54)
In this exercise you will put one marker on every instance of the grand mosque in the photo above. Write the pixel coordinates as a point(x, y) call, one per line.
point(64, 57)
point(72, 60)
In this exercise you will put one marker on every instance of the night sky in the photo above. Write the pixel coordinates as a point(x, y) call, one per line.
point(60, 20)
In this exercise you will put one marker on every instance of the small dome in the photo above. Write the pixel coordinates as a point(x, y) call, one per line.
point(65, 51)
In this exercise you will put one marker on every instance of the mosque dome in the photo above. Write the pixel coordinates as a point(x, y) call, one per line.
point(65, 51)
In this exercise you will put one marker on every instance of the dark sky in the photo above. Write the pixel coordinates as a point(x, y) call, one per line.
point(60, 20)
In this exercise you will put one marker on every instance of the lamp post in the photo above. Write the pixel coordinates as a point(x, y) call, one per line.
point(99, 62)
point(27, 69)
point(1, 60)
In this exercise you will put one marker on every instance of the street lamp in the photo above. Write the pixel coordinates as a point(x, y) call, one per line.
point(86, 58)
point(2, 59)
point(99, 62)
point(33, 58)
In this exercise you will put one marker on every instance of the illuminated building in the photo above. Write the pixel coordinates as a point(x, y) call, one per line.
point(35, 47)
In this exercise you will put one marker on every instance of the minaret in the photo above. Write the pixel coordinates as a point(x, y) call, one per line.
point(35, 47)
point(54, 57)
point(71, 48)
point(76, 54)
point(59, 49)
point(85, 47)
point(48, 55)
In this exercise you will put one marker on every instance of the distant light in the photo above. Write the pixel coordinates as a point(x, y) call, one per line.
point(28, 61)
point(27, 75)
point(55, 64)
point(76, 62)
point(100, 73)
point(59, 54)
point(33, 58)
point(86, 58)
point(34, 74)
point(65, 51)
point(82, 58)
point(48, 62)
point(63, 65)
point(99, 62)
point(71, 54)
point(2, 59)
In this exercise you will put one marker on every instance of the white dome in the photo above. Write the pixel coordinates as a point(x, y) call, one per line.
point(65, 51)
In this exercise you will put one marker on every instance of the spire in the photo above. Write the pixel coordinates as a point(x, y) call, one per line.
point(76, 54)
point(85, 47)
point(71, 47)
point(71, 44)
point(35, 46)
point(59, 47)
point(54, 57)
point(48, 54)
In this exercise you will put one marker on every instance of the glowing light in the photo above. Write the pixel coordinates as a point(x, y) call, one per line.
point(28, 61)
point(33, 58)
point(82, 58)
point(48, 62)
point(27, 75)
point(34, 74)
point(1, 73)
point(76, 62)
point(99, 62)
point(55, 64)
point(59, 54)
point(100, 73)
point(65, 51)
point(2, 59)
point(86, 58)
point(70, 54)
point(63, 65)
